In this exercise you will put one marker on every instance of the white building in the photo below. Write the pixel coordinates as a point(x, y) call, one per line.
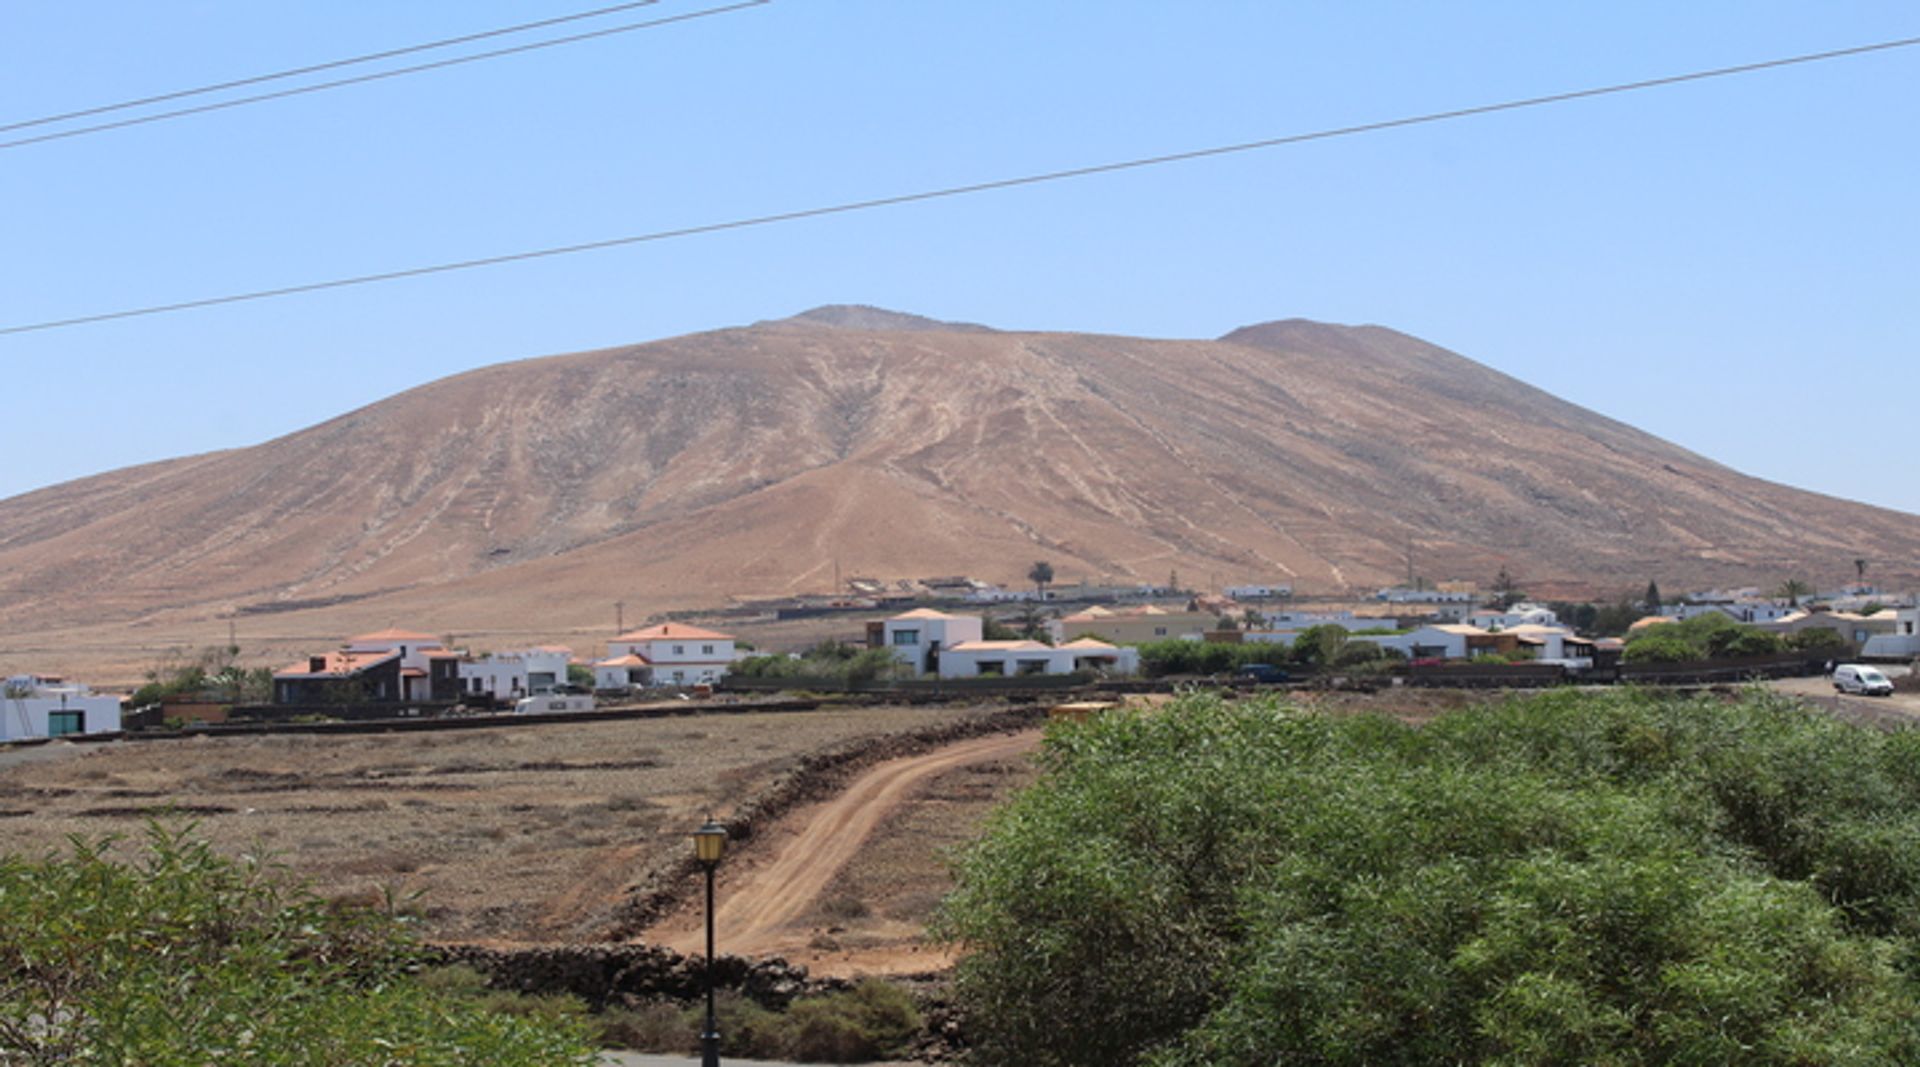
point(1750, 611)
point(513, 675)
point(33, 705)
point(1402, 595)
point(1902, 643)
point(1521, 614)
point(993, 594)
point(919, 637)
point(987, 659)
point(670, 654)
point(1260, 592)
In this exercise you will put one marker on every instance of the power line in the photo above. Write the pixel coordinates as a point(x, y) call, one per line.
point(358, 79)
point(315, 68)
point(975, 187)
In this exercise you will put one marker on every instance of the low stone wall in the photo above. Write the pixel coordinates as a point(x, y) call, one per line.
point(618, 973)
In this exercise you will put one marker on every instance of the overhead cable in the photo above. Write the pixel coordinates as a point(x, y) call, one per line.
point(975, 187)
point(358, 79)
point(315, 68)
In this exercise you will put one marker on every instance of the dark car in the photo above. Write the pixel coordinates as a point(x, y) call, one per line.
point(1261, 673)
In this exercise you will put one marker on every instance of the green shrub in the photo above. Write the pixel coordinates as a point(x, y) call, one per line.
point(1571, 878)
point(870, 1021)
point(182, 958)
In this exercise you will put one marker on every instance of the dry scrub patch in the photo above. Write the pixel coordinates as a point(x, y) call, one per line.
point(513, 834)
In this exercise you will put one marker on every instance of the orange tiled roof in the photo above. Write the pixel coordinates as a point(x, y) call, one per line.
point(1001, 646)
point(668, 631)
point(628, 660)
point(335, 663)
point(392, 635)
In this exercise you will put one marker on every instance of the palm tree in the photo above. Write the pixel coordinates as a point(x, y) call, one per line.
point(1041, 574)
point(1792, 590)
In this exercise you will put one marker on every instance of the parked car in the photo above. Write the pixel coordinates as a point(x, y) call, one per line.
point(1260, 673)
point(1867, 681)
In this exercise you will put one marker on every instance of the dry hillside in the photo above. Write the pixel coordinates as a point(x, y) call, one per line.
point(748, 461)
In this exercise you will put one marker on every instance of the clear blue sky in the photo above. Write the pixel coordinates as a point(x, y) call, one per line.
point(1733, 265)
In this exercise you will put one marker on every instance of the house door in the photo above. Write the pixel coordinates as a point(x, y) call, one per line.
point(933, 657)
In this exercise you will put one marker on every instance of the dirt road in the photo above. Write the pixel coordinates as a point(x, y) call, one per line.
point(1898, 710)
point(758, 906)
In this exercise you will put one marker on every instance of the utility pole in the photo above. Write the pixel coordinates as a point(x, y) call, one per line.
point(619, 616)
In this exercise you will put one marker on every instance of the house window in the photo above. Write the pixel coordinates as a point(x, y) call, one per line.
point(706, 650)
point(992, 668)
point(1030, 666)
point(62, 723)
point(679, 677)
point(679, 650)
point(1159, 631)
point(906, 637)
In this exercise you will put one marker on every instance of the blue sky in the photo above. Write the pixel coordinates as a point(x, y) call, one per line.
point(1733, 265)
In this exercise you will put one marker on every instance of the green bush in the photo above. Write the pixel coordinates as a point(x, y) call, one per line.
point(182, 958)
point(1817, 639)
point(1572, 878)
point(870, 1021)
point(1710, 635)
point(831, 659)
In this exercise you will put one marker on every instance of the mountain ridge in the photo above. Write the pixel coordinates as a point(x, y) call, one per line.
point(757, 460)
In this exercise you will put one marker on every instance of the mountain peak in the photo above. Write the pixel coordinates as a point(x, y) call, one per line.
point(868, 317)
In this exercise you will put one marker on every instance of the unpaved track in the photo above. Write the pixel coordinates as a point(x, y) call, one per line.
point(756, 910)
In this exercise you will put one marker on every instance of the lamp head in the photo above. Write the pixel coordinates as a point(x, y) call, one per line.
point(710, 842)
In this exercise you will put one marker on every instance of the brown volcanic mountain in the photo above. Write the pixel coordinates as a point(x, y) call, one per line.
point(750, 461)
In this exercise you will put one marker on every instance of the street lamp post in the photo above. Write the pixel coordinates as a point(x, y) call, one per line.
point(709, 843)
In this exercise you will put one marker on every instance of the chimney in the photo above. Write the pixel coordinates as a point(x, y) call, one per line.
point(316, 664)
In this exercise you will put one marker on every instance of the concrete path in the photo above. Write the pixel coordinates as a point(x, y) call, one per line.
point(641, 1059)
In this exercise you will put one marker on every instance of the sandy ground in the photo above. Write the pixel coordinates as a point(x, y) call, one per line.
point(1899, 710)
point(770, 898)
point(530, 834)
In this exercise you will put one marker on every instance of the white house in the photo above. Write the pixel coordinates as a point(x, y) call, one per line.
point(1521, 614)
point(1260, 592)
point(978, 659)
point(33, 705)
point(512, 675)
point(1400, 594)
point(669, 654)
point(1751, 611)
point(1902, 643)
point(920, 637)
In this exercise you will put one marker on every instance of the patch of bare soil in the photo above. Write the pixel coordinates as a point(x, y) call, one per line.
point(846, 886)
point(524, 834)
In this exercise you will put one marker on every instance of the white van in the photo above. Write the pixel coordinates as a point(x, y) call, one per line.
point(1854, 678)
point(553, 702)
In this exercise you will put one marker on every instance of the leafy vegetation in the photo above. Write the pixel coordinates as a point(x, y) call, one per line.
point(1600, 619)
point(212, 674)
point(182, 958)
point(1709, 635)
point(829, 659)
point(1325, 647)
point(1621, 878)
point(872, 1020)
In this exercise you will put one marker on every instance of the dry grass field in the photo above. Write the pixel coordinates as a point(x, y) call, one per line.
point(520, 834)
